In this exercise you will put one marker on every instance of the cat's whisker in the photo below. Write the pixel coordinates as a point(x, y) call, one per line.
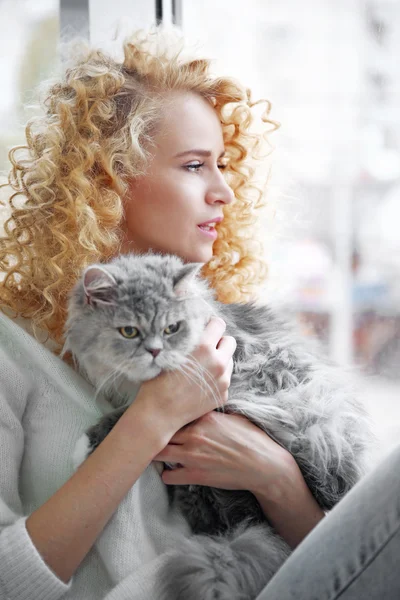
point(195, 376)
point(110, 379)
point(103, 383)
point(187, 376)
point(211, 387)
point(202, 374)
point(190, 374)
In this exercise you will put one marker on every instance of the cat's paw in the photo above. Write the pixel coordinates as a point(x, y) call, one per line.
point(81, 452)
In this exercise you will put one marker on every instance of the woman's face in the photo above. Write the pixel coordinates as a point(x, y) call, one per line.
point(183, 187)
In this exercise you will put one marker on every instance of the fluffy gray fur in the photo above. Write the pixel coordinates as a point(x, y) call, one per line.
point(279, 382)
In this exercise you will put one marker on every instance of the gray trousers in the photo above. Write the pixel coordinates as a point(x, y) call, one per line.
point(354, 552)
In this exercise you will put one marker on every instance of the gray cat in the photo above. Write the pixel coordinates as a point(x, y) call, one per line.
point(139, 315)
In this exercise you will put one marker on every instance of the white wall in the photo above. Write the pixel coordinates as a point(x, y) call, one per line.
point(122, 16)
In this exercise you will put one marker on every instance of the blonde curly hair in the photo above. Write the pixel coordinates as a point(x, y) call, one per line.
point(80, 155)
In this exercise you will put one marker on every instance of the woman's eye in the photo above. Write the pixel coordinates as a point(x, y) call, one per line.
point(172, 328)
point(193, 168)
point(129, 332)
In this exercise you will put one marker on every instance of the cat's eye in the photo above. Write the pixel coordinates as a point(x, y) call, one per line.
point(129, 332)
point(172, 328)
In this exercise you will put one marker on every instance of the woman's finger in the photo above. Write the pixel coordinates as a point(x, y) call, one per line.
point(229, 370)
point(227, 345)
point(180, 476)
point(172, 453)
point(182, 435)
point(213, 331)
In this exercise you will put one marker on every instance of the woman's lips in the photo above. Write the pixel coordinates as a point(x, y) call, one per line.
point(210, 232)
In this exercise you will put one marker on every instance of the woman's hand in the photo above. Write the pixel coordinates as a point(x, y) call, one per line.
point(176, 398)
point(224, 451)
point(229, 452)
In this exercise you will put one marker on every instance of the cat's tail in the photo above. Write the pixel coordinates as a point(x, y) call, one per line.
point(232, 567)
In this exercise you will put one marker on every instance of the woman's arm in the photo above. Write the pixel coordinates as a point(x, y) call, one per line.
point(65, 527)
point(229, 452)
point(288, 504)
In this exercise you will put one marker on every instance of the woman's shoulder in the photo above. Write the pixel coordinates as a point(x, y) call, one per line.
point(16, 338)
point(18, 347)
point(21, 330)
point(50, 374)
point(16, 382)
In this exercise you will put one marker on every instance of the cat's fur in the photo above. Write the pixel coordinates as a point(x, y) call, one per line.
point(278, 382)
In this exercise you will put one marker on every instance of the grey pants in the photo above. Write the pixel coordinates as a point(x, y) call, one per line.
point(354, 553)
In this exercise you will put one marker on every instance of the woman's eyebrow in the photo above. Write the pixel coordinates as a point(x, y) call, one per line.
point(198, 151)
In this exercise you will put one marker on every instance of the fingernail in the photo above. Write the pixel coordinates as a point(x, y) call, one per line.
point(220, 319)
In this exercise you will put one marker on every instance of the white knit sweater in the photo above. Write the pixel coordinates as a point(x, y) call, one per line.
point(44, 408)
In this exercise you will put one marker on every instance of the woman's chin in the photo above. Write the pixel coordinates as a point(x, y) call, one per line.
point(198, 255)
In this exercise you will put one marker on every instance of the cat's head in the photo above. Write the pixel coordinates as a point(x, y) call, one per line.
point(136, 316)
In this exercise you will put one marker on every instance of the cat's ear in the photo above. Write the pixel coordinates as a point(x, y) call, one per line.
point(99, 286)
point(184, 278)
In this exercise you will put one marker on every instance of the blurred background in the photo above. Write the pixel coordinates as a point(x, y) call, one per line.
point(331, 71)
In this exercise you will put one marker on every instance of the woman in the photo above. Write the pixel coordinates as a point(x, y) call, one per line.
point(150, 154)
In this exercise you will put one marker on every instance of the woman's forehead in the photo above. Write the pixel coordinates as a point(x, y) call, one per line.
point(190, 122)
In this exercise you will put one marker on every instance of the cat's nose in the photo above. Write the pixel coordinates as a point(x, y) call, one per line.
point(154, 351)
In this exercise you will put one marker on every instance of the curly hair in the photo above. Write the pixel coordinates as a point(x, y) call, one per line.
point(80, 155)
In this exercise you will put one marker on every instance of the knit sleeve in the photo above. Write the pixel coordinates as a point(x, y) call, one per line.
point(23, 573)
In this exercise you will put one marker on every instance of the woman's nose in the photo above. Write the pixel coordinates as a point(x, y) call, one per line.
point(220, 192)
